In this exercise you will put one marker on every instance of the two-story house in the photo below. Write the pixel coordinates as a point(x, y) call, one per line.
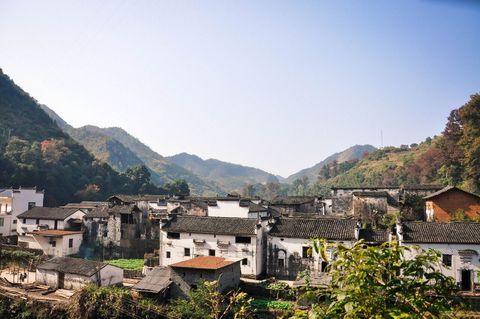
point(55, 230)
point(14, 201)
point(186, 237)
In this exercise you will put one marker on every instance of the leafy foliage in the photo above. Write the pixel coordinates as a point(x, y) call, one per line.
point(207, 302)
point(131, 264)
point(387, 281)
point(271, 304)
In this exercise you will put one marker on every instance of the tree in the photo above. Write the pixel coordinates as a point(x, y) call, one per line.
point(207, 302)
point(381, 282)
point(470, 141)
point(178, 187)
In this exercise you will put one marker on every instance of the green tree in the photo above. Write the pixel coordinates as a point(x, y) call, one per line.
point(179, 187)
point(381, 282)
point(206, 302)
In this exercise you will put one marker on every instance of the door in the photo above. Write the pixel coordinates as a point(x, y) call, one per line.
point(61, 280)
point(466, 280)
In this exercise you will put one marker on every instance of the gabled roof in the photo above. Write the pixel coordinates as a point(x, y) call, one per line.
point(205, 262)
point(374, 235)
point(136, 198)
point(85, 205)
point(330, 229)
point(448, 189)
point(70, 265)
point(212, 225)
point(200, 204)
point(434, 232)
point(255, 208)
point(155, 281)
point(55, 213)
point(292, 200)
point(104, 211)
point(370, 194)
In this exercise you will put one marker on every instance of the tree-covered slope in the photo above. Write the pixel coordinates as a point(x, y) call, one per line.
point(352, 153)
point(34, 151)
point(231, 177)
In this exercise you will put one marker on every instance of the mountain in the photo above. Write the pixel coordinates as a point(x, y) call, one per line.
point(352, 153)
point(231, 177)
point(121, 150)
point(34, 151)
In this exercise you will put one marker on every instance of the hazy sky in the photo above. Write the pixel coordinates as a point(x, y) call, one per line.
point(278, 85)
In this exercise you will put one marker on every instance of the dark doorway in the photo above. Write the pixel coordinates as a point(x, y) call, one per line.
point(55, 225)
point(466, 280)
point(61, 280)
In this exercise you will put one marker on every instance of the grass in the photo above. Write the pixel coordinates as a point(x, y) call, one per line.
point(271, 304)
point(130, 264)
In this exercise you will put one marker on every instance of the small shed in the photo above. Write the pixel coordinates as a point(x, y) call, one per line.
point(74, 273)
point(155, 284)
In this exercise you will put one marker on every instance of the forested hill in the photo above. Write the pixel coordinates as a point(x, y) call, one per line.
point(229, 176)
point(452, 158)
point(34, 151)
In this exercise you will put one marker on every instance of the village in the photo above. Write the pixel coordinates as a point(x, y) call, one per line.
point(237, 241)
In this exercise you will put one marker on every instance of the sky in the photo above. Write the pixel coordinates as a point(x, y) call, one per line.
point(278, 85)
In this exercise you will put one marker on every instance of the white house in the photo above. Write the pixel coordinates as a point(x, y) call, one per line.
point(55, 230)
point(186, 237)
point(289, 248)
point(458, 242)
point(14, 201)
point(74, 273)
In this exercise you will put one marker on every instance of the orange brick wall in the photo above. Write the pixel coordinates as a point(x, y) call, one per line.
point(447, 203)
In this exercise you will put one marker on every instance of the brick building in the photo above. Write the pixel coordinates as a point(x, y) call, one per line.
point(452, 203)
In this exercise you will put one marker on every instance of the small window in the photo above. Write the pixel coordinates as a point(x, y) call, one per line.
point(244, 261)
point(173, 235)
point(187, 252)
point(70, 243)
point(168, 254)
point(24, 221)
point(37, 221)
point(211, 252)
point(53, 243)
point(324, 266)
point(306, 252)
point(31, 205)
point(281, 263)
point(243, 240)
point(447, 260)
point(15, 221)
point(193, 287)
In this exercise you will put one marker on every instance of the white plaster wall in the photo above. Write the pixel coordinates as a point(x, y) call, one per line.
point(77, 241)
point(228, 209)
point(5, 230)
point(111, 275)
point(61, 248)
point(176, 249)
point(457, 264)
point(294, 246)
point(47, 277)
point(74, 281)
point(31, 224)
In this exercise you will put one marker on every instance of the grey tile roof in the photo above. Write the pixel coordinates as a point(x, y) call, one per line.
point(155, 281)
point(58, 213)
point(70, 265)
point(330, 229)
point(374, 235)
point(434, 232)
point(105, 211)
point(255, 208)
point(371, 194)
point(448, 189)
point(136, 198)
point(212, 225)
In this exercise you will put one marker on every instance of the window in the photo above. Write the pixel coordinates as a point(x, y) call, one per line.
point(447, 260)
point(55, 225)
point(37, 221)
point(24, 221)
point(244, 261)
point(323, 266)
point(193, 287)
point(1, 222)
point(168, 254)
point(173, 235)
point(186, 252)
point(15, 221)
point(31, 205)
point(306, 252)
point(211, 252)
point(243, 240)
point(53, 243)
point(281, 263)
point(70, 243)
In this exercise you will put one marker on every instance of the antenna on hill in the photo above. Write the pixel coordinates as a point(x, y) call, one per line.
point(381, 138)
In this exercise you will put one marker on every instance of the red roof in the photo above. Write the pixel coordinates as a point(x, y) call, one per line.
point(205, 262)
point(55, 232)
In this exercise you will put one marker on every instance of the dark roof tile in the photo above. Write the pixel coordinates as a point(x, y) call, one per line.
point(56, 213)
point(212, 225)
point(435, 232)
point(330, 229)
point(70, 265)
